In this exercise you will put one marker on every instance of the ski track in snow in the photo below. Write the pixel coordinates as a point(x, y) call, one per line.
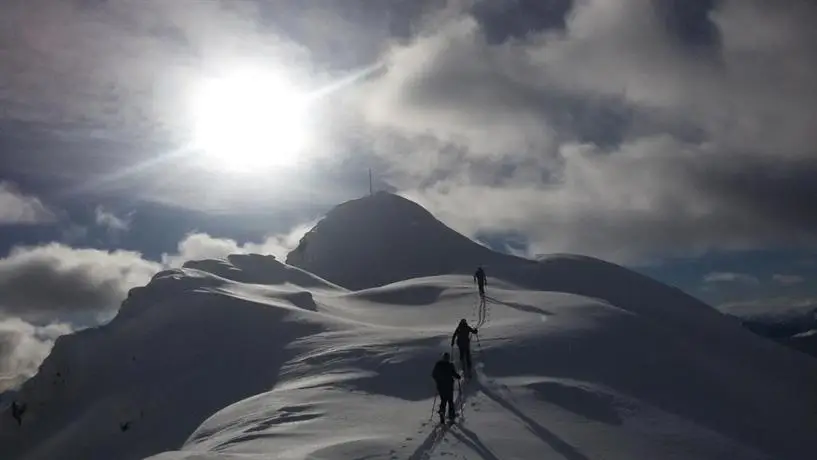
point(437, 435)
point(483, 385)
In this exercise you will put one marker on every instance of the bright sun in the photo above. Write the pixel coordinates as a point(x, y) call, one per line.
point(249, 120)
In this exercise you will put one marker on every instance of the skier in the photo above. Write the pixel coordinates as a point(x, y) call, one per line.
point(17, 411)
point(444, 375)
point(462, 335)
point(479, 278)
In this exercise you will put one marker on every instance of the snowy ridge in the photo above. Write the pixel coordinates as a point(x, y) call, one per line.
point(576, 359)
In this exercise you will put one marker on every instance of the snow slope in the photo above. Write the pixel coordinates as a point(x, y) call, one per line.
point(251, 358)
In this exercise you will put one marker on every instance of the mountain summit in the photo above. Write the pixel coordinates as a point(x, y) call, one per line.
point(384, 238)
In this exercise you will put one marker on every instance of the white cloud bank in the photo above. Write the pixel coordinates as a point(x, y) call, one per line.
point(23, 347)
point(43, 282)
point(197, 246)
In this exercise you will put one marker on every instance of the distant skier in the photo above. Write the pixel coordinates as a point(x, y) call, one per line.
point(17, 411)
point(444, 375)
point(479, 278)
point(462, 335)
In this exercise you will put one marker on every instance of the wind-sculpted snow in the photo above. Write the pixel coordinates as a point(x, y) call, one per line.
point(576, 359)
point(259, 269)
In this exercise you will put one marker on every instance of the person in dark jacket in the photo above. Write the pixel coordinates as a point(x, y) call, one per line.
point(17, 411)
point(444, 375)
point(479, 278)
point(462, 335)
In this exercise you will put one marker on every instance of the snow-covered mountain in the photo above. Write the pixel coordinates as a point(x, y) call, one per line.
point(251, 358)
point(385, 238)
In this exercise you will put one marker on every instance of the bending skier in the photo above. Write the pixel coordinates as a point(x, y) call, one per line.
point(479, 278)
point(462, 335)
point(444, 375)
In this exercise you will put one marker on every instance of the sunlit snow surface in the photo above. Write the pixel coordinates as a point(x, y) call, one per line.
point(204, 367)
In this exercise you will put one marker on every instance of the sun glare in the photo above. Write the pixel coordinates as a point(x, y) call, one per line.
point(250, 120)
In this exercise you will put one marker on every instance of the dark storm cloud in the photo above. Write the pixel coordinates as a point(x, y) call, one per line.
point(777, 190)
point(688, 21)
point(514, 19)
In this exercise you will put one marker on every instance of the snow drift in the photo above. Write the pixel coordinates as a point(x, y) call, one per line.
point(251, 358)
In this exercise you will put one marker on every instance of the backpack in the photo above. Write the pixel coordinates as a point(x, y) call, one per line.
point(438, 374)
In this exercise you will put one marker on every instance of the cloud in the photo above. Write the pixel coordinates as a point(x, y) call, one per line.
point(23, 347)
point(197, 246)
point(99, 98)
point(635, 132)
point(454, 87)
point(642, 200)
point(729, 277)
point(73, 232)
point(778, 308)
point(111, 221)
point(56, 281)
point(17, 208)
point(631, 130)
point(117, 62)
point(788, 280)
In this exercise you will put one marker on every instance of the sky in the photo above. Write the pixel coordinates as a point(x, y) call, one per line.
point(675, 137)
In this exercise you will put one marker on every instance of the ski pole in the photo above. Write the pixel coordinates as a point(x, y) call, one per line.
point(433, 405)
point(461, 398)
